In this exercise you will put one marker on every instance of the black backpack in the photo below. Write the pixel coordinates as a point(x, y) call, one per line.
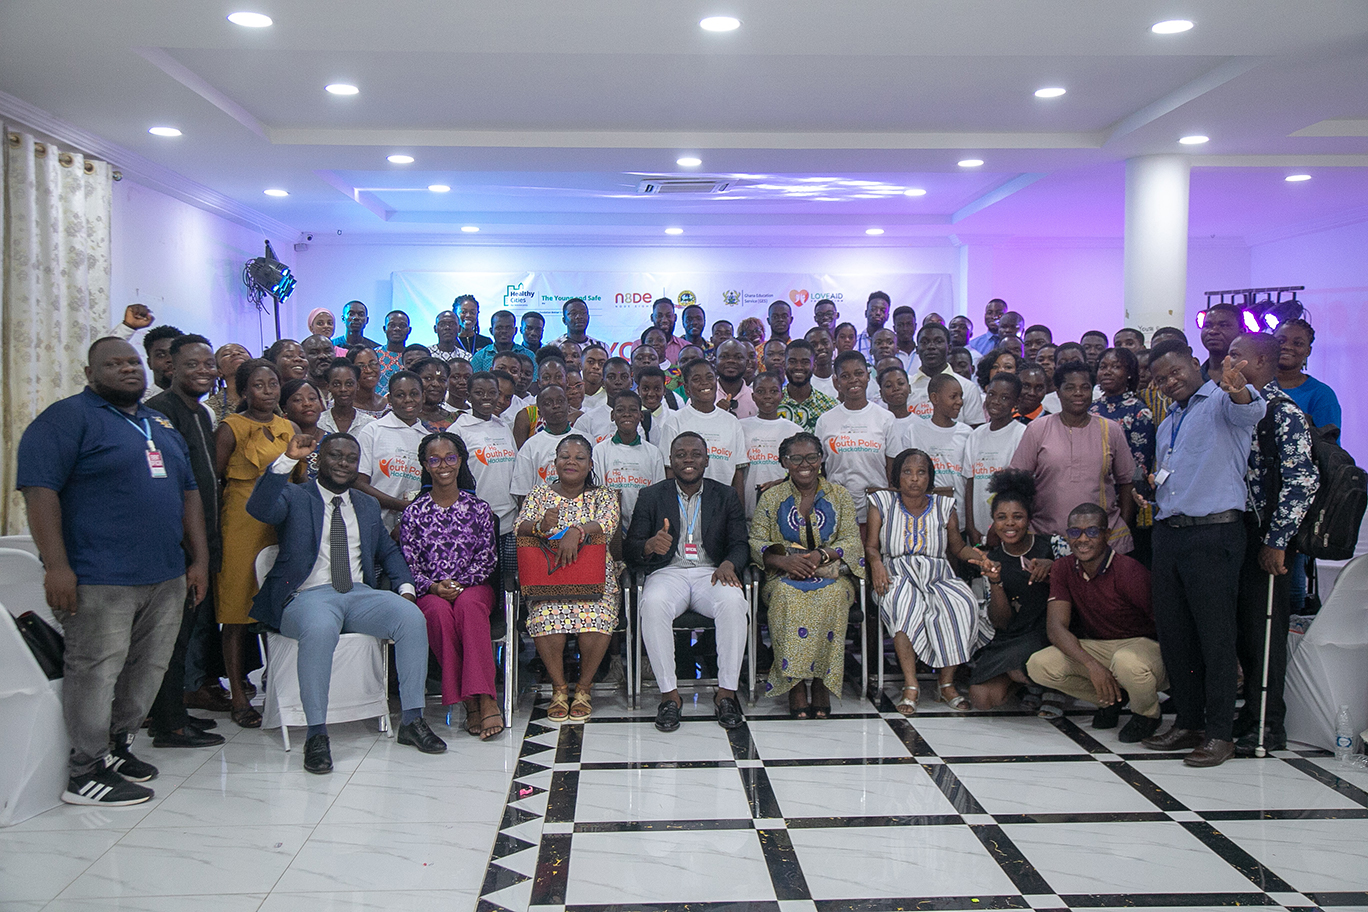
point(1330, 528)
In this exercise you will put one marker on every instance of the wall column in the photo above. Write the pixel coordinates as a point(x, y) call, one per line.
point(1156, 241)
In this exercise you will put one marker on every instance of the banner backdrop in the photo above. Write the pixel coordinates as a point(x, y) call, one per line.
point(620, 302)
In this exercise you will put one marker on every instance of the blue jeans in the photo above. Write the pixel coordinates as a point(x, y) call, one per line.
point(317, 617)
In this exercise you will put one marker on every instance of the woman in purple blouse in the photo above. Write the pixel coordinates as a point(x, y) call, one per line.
point(447, 537)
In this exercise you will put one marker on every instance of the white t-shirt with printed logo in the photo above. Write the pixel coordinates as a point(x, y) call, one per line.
point(762, 450)
point(919, 400)
point(596, 424)
point(389, 455)
point(493, 452)
point(627, 469)
point(946, 447)
point(857, 443)
point(536, 463)
point(722, 431)
point(986, 452)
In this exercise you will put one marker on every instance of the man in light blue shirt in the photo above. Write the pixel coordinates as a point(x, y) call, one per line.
point(502, 326)
point(1199, 543)
point(992, 313)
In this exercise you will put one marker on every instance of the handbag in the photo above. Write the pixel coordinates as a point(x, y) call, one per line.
point(45, 643)
point(582, 580)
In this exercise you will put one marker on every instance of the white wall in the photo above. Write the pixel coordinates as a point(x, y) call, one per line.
point(186, 265)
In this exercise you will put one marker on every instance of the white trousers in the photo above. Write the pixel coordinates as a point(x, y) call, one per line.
point(670, 592)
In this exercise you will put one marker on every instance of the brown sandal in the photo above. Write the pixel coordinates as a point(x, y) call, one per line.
point(247, 717)
point(581, 708)
point(491, 731)
point(560, 705)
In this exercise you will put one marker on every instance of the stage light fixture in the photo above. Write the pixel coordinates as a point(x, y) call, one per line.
point(266, 275)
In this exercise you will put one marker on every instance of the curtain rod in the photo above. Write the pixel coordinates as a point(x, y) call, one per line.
point(65, 159)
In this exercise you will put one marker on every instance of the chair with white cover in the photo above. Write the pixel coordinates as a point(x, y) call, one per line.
point(360, 675)
point(20, 542)
point(1330, 665)
point(33, 764)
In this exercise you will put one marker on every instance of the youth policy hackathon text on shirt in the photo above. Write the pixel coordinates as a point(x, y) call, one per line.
point(492, 455)
point(857, 443)
point(722, 431)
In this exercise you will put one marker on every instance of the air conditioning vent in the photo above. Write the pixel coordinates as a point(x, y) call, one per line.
point(682, 185)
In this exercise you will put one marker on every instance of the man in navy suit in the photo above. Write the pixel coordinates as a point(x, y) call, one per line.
point(323, 585)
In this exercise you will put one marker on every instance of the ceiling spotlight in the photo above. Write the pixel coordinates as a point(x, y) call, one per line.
point(688, 161)
point(914, 191)
point(470, 229)
point(1049, 93)
point(971, 163)
point(439, 188)
point(674, 230)
point(1170, 26)
point(250, 20)
point(1195, 140)
point(400, 159)
point(1297, 178)
point(720, 24)
point(276, 191)
point(164, 131)
point(873, 231)
point(341, 88)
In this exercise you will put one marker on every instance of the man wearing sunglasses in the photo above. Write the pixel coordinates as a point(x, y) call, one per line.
point(1101, 628)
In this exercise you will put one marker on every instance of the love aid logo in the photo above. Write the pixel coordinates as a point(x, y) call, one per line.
point(798, 296)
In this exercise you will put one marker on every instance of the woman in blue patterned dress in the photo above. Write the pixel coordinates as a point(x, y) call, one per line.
point(805, 536)
point(1118, 378)
point(931, 612)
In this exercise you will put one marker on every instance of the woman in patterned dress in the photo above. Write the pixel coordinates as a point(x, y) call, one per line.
point(931, 612)
point(1118, 378)
point(568, 511)
point(805, 536)
point(447, 537)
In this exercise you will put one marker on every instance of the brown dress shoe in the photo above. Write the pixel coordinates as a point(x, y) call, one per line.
point(208, 697)
point(1175, 739)
point(1211, 753)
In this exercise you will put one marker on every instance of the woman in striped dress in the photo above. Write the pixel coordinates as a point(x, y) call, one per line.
point(931, 612)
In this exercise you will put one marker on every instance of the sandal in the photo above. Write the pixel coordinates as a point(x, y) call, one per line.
point(581, 707)
point(247, 717)
point(801, 713)
point(560, 705)
point(908, 706)
point(955, 700)
point(474, 724)
point(491, 731)
point(1031, 699)
point(1051, 705)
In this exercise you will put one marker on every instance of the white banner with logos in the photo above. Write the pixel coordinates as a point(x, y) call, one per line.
point(620, 302)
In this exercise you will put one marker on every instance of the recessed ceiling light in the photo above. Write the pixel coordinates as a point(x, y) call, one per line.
point(971, 163)
point(720, 24)
point(470, 229)
point(674, 230)
point(1297, 178)
point(914, 191)
point(401, 159)
point(164, 131)
point(873, 231)
point(439, 188)
point(688, 161)
point(1049, 93)
point(1195, 140)
point(250, 20)
point(276, 191)
point(341, 88)
point(1170, 26)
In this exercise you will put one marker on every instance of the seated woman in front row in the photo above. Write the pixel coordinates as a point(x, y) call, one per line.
point(1018, 573)
point(805, 536)
point(931, 612)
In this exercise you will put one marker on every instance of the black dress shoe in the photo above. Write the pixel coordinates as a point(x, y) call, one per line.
point(1137, 729)
point(189, 736)
point(1175, 739)
point(1107, 716)
point(317, 755)
point(210, 698)
point(203, 725)
point(1211, 753)
point(729, 713)
point(1275, 739)
point(667, 716)
point(420, 736)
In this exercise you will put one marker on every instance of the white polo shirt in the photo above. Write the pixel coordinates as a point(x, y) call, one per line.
point(722, 431)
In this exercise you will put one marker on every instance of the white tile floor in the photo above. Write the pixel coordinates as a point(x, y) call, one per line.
point(859, 813)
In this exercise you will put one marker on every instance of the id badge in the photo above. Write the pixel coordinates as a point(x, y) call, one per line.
point(690, 551)
point(1161, 476)
point(155, 465)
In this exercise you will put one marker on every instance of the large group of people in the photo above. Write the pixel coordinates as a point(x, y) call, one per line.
point(1034, 519)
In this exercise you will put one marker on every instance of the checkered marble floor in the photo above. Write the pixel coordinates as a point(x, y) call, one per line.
point(870, 811)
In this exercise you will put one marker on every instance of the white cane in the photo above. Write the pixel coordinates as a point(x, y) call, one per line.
point(1263, 687)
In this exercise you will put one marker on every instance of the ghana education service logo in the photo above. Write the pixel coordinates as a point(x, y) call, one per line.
point(731, 298)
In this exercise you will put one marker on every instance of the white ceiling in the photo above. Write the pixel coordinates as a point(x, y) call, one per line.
point(542, 116)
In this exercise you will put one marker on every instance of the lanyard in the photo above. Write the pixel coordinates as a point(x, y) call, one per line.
point(690, 522)
point(145, 430)
point(1173, 433)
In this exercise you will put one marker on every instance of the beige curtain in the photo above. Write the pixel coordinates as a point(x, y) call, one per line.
point(54, 287)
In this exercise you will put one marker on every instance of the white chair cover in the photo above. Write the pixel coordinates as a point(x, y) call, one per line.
point(1330, 666)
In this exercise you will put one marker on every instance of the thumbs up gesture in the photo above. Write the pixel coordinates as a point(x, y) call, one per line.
point(661, 542)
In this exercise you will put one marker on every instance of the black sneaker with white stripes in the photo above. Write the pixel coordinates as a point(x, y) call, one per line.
point(102, 787)
point(122, 761)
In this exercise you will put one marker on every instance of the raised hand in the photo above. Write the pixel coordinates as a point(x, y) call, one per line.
point(661, 542)
point(137, 316)
point(1232, 374)
point(299, 447)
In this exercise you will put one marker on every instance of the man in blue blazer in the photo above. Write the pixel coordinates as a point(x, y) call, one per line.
point(323, 585)
point(689, 536)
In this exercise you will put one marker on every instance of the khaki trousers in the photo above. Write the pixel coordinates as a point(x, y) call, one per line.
point(1135, 662)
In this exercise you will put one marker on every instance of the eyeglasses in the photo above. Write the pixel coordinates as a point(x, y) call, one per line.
point(1090, 532)
point(450, 459)
point(811, 459)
